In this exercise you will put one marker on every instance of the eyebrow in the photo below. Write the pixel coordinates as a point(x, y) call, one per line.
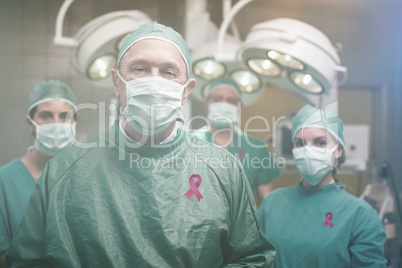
point(320, 137)
point(63, 114)
point(165, 63)
point(44, 112)
point(316, 138)
point(50, 113)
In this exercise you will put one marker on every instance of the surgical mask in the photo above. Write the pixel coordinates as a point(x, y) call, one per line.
point(51, 138)
point(153, 103)
point(314, 163)
point(222, 114)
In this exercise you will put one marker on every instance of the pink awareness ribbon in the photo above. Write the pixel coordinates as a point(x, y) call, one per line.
point(194, 187)
point(328, 218)
point(240, 154)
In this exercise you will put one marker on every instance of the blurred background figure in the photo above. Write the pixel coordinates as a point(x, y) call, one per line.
point(316, 223)
point(51, 122)
point(224, 104)
point(381, 194)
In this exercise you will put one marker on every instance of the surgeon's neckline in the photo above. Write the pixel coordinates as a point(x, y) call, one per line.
point(233, 141)
point(145, 149)
point(325, 188)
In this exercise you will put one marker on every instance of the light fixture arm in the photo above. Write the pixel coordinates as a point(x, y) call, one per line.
point(226, 6)
point(59, 39)
point(224, 27)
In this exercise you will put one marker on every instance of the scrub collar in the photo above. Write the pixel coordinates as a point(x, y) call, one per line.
point(171, 136)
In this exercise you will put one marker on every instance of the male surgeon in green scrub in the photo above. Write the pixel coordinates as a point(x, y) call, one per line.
point(223, 103)
point(146, 194)
point(47, 118)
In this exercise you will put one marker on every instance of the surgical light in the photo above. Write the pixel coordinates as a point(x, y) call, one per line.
point(120, 42)
point(306, 82)
point(264, 67)
point(206, 69)
point(101, 66)
point(97, 53)
point(97, 44)
point(285, 60)
point(247, 81)
point(292, 55)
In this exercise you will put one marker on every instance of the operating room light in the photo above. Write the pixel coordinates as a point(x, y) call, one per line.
point(306, 82)
point(120, 42)
point(208, 69)
point(292, 55)
point(264, 67)
point(101, 66)
point(285, 60)
point(97, 44)
point(247, 81)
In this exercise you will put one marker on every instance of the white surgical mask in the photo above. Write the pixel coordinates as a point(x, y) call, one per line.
point(153, 103)
point(314, 163)
point(222, 114)
point(51, 138)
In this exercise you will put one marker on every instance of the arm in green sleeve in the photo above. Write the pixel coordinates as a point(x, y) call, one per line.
point(268, 169)
point(247, 245)
point(4, 233)
point(27, 248)
point(367, 241)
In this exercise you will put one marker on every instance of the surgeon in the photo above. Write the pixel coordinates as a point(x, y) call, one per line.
point(49, 122)
point(223, 104)
point(316, 223)
point(145, 194)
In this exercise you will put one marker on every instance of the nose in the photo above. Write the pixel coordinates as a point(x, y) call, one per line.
point(58, 120)
point(155, 72)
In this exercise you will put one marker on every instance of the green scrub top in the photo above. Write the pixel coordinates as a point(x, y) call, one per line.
point(322, 227)
point(258, 163)
point(114, 205)
point(16, 187)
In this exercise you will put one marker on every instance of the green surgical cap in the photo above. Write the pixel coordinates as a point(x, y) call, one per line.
point(51, 90)
point(222, 82)
point(311, 117)
point(155, 30)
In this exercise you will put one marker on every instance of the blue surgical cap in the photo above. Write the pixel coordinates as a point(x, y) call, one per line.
point(49, 91)
point(222, 82)
point(311, 117)
point(155, 30)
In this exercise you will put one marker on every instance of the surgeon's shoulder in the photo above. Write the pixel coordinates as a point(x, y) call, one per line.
point(353, 203)
point(69, 157)
point(7, 172)
point(275, 199)
point(280, 193)
point(252, 140)
point(201, 133)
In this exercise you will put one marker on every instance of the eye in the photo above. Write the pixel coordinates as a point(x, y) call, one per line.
point(233, 101)
point(139, 70)
point(44, 116)
point(169, 73)
point(298, 143)
point(216, 98)
point(321, 143)
point(63, 117)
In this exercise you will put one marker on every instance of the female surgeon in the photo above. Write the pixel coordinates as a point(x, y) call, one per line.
point(49, 106)
point(316, 223)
